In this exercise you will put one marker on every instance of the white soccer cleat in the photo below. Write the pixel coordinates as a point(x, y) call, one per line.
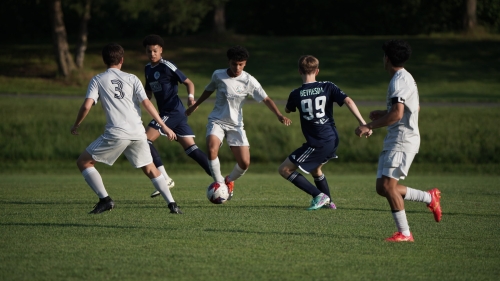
point(170, 184)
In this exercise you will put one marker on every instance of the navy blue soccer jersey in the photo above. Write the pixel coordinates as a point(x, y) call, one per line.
point(163, 80)
point(315, 103)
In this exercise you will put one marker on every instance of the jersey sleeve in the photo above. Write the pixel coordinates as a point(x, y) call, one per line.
point(337, 94)
point(93, 90)
point(290, 104)
point(180, 75)
point(138, 88)
point(256, 90)
point(212, 86)
point(398, 93)
point(175, 70)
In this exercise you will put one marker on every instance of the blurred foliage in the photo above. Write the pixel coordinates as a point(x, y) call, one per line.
point(447, 69)
point(357, 17)
point(28, 19)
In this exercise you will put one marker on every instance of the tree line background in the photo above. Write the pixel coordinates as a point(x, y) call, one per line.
point(78, 21)
point(30, 20)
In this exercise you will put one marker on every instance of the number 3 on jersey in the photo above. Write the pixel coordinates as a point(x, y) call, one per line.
point(118, 88)
point(319, 107)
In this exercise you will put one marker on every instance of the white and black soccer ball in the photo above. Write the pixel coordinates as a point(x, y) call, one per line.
point(217, 193)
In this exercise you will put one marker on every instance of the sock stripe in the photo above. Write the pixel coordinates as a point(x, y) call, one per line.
point(320, 178)
point(191, 149)
point(292, 176)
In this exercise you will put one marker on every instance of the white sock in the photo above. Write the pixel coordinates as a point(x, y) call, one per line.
point(164, 173)
point(236, 173)
point(94, 180)
point(401, 222)
point(417, 195)
point(215, 170)
point(161, 185)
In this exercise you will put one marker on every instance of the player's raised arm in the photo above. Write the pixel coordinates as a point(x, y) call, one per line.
point(190, 90)
point(82, 113)
point(376, 114)
point(152, 111)
point(272, 106)
point(355, 111)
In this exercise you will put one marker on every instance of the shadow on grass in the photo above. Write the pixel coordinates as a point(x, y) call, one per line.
point(79, 225)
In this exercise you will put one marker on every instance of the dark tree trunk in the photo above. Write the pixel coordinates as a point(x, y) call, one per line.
point(63, 56)
point(220, 18)
point(470, 16)
point(82, 37)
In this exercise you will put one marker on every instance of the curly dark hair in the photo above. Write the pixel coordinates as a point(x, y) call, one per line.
point(238, 53)
point(112, 54)
point(398, 51)
point(152, 40)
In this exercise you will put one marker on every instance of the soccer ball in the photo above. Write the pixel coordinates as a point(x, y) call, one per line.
point(217, 193)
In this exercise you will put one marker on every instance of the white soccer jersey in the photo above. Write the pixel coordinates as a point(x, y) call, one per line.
point(121, 94)
point(404, 134)
point(231, 95)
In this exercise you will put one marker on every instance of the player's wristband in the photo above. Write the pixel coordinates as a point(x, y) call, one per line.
point(191, 96)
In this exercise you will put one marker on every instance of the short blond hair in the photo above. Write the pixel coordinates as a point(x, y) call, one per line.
point(308, 64)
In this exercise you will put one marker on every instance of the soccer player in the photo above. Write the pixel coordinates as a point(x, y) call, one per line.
point(162, 79)
point(402, 141)
point(314, 101)
point(121, 95)
point(233, 86)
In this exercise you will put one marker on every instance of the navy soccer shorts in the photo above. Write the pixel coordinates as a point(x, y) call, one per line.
point(308, 158)
point(177, 123)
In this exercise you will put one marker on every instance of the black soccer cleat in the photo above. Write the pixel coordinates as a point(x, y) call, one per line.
point(174, 209)
point(104, 204)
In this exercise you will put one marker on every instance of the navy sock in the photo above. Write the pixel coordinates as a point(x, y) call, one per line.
point(155, 154)
point(301, 182)
point(322, 184)
point(199, 156)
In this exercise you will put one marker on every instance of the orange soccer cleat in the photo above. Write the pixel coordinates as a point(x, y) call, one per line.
point(435, 205)
point(230, 187)
point(399, 237)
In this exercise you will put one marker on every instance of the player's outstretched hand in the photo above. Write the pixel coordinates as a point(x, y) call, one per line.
point(369, 133)
point(285, 120)
point(190, 110)
point(74, 130)
point(363, 130)
point(169, 133)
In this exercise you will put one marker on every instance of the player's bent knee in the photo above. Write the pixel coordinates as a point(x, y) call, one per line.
point(384, 188)
point(381, 192)
point(151, 171)
point(244, 165)
point(284, 171)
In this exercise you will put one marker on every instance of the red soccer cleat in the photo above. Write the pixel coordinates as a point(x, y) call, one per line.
point(230, 187)
point(435, 205)
point(399, 237)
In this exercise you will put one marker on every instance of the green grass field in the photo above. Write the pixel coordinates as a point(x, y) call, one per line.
point(264, 233)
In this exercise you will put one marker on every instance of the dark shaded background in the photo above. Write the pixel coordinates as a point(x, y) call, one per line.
point(28, 20)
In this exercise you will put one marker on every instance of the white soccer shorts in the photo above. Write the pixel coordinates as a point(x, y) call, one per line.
point(235, 136)
point(394, 164)
point(107, 151)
